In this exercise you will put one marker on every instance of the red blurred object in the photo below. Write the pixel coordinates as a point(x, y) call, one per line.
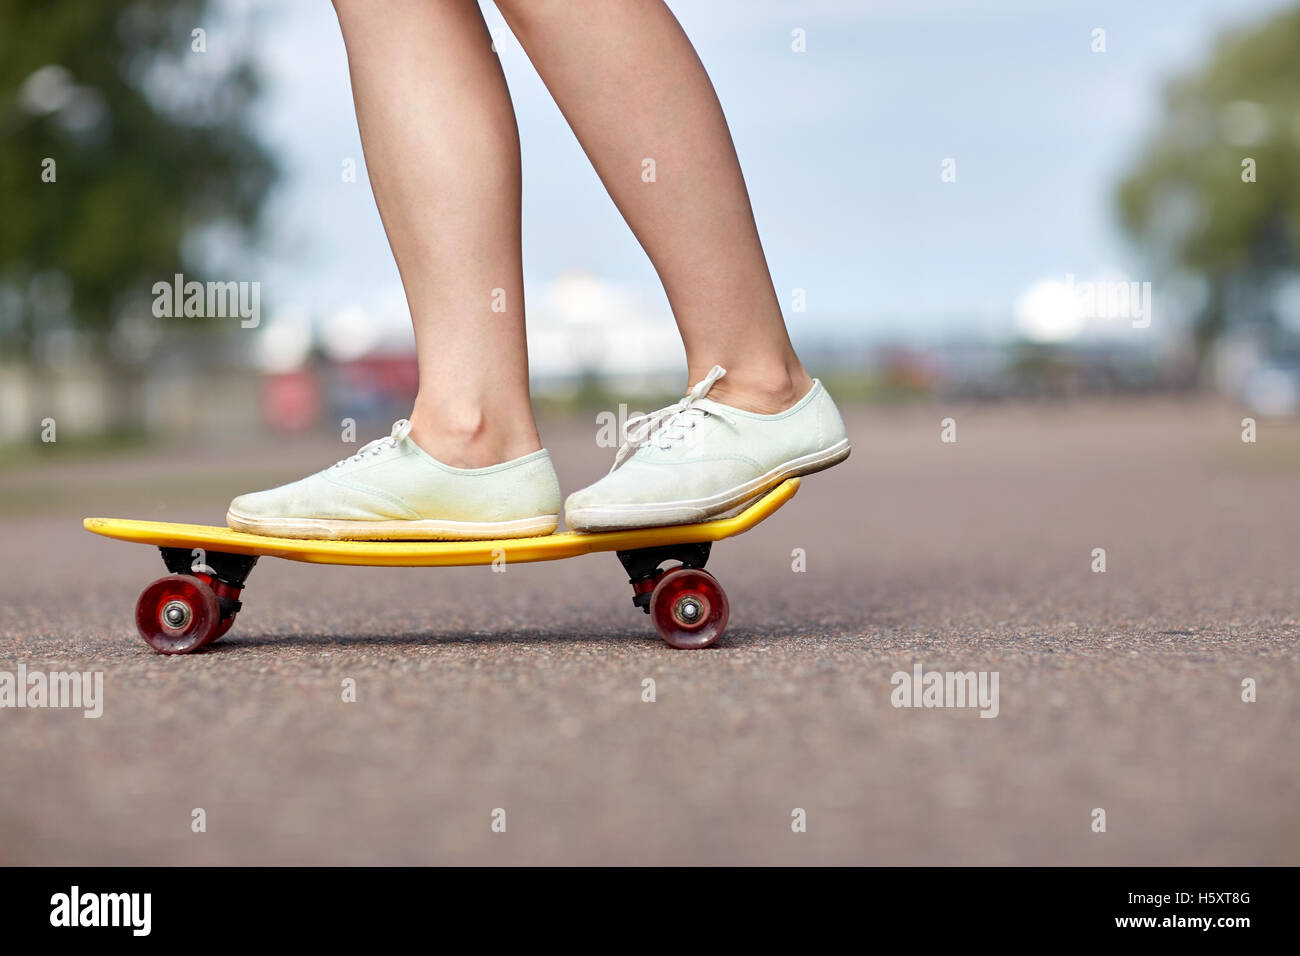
point(909, 369)
point(291, 401)
point(395, 377)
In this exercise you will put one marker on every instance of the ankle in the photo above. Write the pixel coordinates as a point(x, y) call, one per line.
point(470, 437)
point(764, 391)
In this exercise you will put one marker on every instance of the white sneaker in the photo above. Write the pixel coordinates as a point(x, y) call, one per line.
point(699, 459)
point(392, 489)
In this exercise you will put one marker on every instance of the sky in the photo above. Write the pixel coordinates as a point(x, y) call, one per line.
point(842, 147)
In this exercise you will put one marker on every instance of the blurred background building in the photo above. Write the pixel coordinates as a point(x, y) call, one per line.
point(1009, 200)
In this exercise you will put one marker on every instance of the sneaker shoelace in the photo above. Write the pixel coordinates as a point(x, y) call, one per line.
point(670, 424)
point(401, 428)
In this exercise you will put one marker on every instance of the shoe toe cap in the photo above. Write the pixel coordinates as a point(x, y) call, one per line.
point(285, 501)
point(255, 504)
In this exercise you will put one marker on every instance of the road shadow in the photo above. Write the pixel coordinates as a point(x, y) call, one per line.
point(232, 644)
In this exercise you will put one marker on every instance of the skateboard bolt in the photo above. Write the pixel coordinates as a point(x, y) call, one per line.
point(688, 609)
point(176, 614)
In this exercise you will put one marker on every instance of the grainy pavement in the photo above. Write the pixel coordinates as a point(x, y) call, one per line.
point(523, 691)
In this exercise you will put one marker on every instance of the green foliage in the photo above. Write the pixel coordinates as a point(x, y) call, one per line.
point(151, 143)
point(1187, 202)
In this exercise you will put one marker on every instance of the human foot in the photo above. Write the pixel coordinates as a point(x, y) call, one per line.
point(698, 459)
point(392, 489)
point(763, 392)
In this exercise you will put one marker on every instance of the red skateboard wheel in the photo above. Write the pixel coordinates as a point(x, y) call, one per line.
point(177, 614)
point(689, 608)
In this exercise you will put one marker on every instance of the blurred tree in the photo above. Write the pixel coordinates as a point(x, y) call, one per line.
point(1190, 201)
point(124, 134)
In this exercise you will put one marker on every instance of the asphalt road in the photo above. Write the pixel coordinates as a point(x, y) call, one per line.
point(523, 691)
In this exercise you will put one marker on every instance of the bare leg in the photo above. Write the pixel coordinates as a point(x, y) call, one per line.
point(442, 149)
point(632, 88)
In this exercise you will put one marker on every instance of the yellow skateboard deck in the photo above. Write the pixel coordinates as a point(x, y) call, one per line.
point(436, 554)
point(197, 603)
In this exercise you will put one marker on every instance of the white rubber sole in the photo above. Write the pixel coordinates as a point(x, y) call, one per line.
point(326, 529)
point(691, 511)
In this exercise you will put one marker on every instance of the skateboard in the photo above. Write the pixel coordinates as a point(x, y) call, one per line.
point(198, 600)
